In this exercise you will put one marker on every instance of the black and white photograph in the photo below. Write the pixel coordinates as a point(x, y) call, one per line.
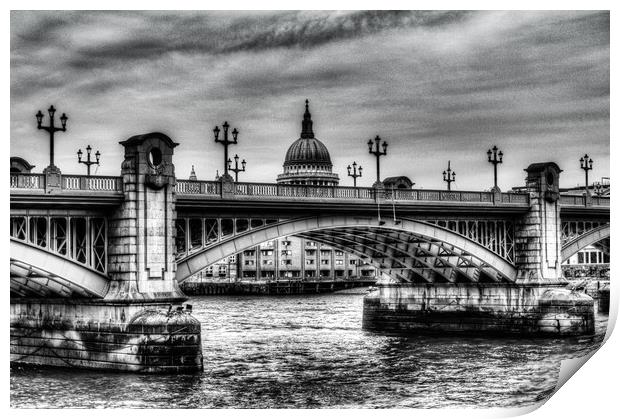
point(306, 209)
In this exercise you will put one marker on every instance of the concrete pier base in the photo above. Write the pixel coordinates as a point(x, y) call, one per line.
point(478, 308)
point(134, 337)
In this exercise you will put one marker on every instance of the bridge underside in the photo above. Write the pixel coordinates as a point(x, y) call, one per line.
point(408, 257)
point(38, 273)
point(407, 251)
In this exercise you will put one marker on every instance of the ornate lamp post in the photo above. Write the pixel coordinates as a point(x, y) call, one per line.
point(495, 162)
point(51, 128)
point(586, 165)
point(357, 172)
point(236, 169)
point(226, 142)
point(88, 162)
point(378, 153)
point(449, 176)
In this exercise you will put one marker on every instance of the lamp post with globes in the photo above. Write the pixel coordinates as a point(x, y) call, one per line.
point(88, 162)
point(357, 172)
point(378, 153)
point(495, 161)
point(51, 128)
point(586, 166)
point(236, 169)
point(449, 176)
point(226, 142)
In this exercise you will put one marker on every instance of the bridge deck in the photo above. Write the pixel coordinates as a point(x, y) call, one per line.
point(28, 189)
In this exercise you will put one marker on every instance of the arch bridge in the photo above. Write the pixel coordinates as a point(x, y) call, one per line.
point(410, 235)
point(96, 261)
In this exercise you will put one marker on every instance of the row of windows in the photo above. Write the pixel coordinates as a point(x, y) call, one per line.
point(592, 257)
point(284, 262)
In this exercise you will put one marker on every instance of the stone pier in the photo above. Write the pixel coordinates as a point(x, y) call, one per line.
point(139, 325)
point(535, 303)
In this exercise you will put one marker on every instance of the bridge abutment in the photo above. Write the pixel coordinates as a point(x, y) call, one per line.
point(137, 325)
point(534, 303)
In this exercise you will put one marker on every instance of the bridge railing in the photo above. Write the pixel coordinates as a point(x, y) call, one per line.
point(214, 188)
point(580, 200)
point(92, 183)
point(27, 181)
point(37, 181)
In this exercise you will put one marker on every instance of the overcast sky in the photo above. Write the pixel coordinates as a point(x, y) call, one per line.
point(437, 86)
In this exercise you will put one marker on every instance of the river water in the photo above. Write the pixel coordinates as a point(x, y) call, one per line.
point(310, 352)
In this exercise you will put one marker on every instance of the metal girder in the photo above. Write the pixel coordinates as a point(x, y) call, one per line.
point(585, 239)
point(30, 262)
point(346, 245)
point(424, 267)
point(438, 251)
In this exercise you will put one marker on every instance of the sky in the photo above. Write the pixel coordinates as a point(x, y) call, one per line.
point(436, 85)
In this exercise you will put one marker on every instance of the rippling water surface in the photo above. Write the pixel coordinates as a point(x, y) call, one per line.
point(310, 352)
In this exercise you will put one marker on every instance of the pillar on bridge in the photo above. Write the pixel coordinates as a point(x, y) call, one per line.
point(538, 246)
point(141, 247)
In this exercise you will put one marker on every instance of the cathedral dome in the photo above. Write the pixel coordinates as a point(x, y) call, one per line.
point(307, 151)
point(307, 161)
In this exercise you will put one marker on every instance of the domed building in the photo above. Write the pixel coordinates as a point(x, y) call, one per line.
point(307, 160)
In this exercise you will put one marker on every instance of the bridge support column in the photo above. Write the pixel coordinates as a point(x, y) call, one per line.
point(536, 302)
point(137, 325)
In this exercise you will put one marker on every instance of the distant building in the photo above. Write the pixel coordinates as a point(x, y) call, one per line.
point(590, 255)
point(398, 182)
point(596, 188)
point(19, 165)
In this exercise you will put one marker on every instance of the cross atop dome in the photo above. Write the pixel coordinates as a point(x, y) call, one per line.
point(306, 124)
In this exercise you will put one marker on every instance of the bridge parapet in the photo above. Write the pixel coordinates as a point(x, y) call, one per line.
point(213, 189)
point(36, 182)
point(583, 201)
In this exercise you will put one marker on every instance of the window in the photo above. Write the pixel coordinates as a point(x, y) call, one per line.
point(286, 243)
point(339, 253)
point(286, 252)
point(268, 262)
point(593, 257)
point(580, 257)
point(309, 261)
point(325, 253)
point(249, 262)
point(248, 253)
point(324, 261)
point(285, 262)
point(267, 252)
point(352, 262)
point(339, 262)
point(310, 244)
point(310, 252)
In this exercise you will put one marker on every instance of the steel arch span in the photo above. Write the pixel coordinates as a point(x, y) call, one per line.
point(584, 240)
point(406, 250)
point(35, 271)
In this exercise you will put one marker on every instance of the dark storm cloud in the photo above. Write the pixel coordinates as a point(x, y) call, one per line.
point(159, 33)
point(440, 85)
